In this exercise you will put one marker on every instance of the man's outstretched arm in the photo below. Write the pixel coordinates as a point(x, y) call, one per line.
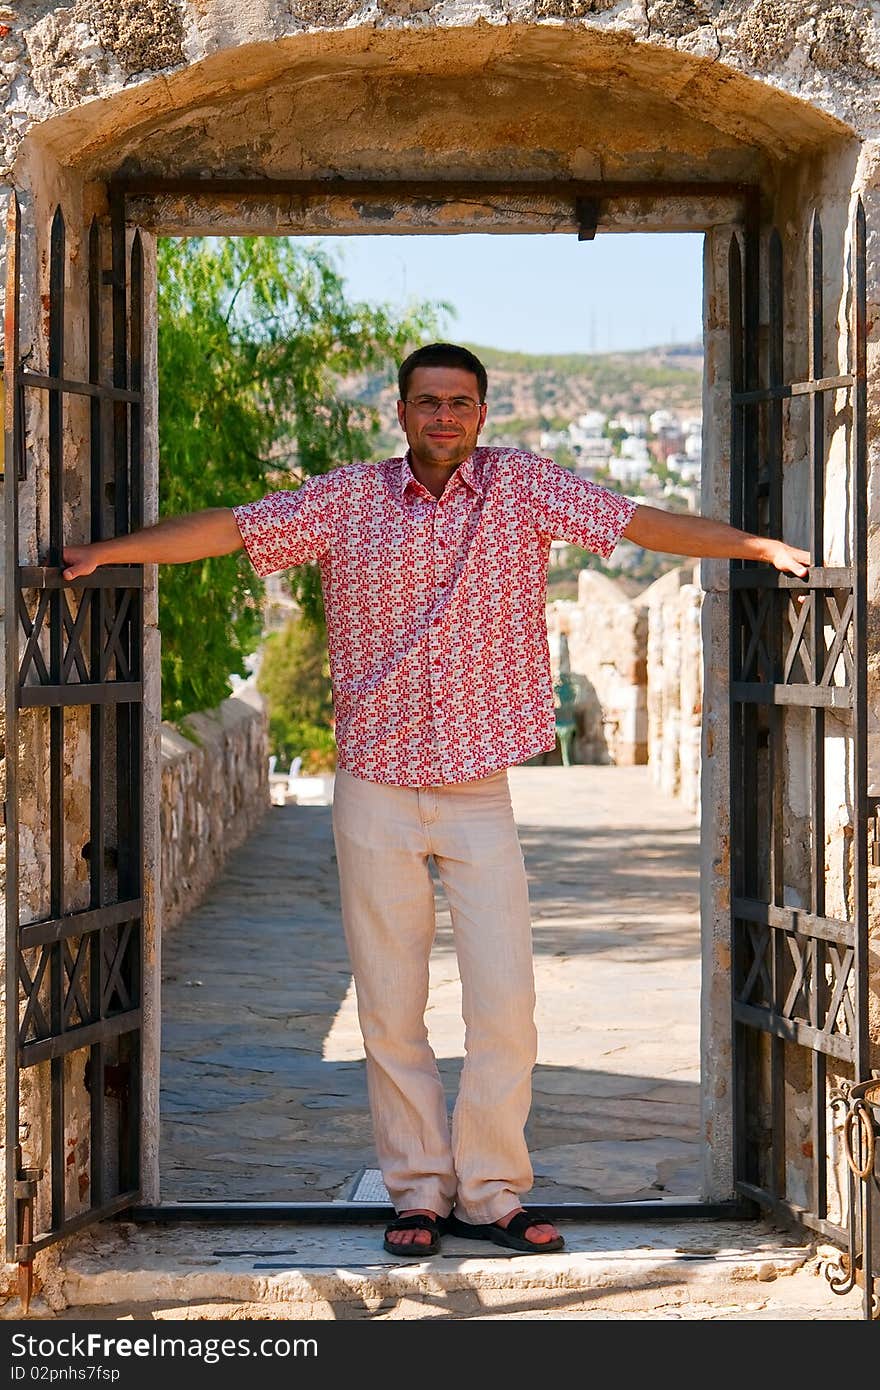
point(678, 534)
point(172, 541)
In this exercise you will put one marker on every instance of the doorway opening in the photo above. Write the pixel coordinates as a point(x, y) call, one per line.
point(263, 1094)
point(766, 1000)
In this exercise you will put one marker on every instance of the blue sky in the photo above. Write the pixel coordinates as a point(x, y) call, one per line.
point(539, 293)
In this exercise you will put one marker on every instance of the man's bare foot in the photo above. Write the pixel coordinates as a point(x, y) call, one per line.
point(539, 1234)
point(413, 1237)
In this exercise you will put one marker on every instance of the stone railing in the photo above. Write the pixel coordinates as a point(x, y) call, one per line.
point(606, 636)
point(215, 789)
point(675, 683)
point(637, 666)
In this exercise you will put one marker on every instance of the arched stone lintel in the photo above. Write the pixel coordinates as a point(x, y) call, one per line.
point(441, 96)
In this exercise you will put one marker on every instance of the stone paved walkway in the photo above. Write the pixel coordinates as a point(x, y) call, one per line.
point(263, 1094)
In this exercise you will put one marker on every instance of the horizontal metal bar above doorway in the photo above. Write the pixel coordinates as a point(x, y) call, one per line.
point(363, 1213)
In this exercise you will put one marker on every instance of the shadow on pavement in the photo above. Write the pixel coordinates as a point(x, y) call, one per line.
point(258, 1105)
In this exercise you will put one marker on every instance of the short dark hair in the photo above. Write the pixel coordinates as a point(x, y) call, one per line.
point(442, 355)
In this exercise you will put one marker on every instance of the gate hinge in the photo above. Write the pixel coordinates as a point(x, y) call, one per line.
point(25, 1189)
point(26, 1184)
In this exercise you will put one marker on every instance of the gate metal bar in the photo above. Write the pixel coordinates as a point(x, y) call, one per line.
point(74, 978)
point(800, 978)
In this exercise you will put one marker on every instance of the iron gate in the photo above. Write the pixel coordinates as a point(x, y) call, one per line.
point(798, 656)
point(74, 679)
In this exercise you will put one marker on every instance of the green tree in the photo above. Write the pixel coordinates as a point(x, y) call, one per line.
point(294, 676)
point(256, 336)
point(565, 456)
point(617, 434)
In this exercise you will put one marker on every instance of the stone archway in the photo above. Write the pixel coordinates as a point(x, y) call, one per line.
point(706, 94)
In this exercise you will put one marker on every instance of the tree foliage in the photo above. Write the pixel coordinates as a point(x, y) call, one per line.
point(294, 677)
point(256, 336)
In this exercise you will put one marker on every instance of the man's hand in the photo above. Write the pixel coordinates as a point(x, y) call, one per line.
point(81, 559)
point(789, 559)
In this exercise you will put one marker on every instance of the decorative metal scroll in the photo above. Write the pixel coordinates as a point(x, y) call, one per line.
point(74, 684)
point(798, 655)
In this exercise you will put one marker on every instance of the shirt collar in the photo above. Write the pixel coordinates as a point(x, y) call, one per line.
point(469, 471)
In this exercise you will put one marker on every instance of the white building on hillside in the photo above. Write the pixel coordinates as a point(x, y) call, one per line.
point(548, 440)
point(633, 424)
point(663, 421)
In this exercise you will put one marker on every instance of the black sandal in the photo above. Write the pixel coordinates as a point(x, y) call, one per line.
point(513, 1235)
point(418, 1222)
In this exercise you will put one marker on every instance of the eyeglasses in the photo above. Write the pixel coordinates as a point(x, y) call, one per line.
point(462, 406)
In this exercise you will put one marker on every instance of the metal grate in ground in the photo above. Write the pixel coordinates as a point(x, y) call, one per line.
point(368, 1187)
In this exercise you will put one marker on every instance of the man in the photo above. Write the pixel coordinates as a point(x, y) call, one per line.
point(433, 569)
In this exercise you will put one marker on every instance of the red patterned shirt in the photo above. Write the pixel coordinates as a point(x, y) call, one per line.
point(435, 609)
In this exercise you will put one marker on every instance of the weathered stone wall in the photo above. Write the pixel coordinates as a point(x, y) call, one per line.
point(716, 1091)
point(57, 57)
point(675, 684)
point(637, 666)
point(606, 642)
point(868, 182)
point(215, 791)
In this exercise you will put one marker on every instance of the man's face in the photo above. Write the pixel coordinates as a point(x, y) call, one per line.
point(442, 415)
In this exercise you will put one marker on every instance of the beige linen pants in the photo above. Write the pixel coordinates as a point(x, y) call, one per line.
point(385, 836)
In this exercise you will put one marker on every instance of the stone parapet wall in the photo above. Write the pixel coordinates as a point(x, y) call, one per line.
point(675, 684)
point(606, 637)
point(215, 789)
point(637, 666)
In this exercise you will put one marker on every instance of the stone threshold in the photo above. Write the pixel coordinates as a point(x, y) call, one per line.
point(696, 1268)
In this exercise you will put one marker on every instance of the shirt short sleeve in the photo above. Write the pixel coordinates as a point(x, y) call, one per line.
point(568, 508)
point(287, 528)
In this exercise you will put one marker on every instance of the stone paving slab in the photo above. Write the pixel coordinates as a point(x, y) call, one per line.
point(657, 1269)
point(263, 1087)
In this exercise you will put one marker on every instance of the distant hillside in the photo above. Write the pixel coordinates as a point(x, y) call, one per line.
point(530, 392)
point(567, 384)
point(675, 361)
